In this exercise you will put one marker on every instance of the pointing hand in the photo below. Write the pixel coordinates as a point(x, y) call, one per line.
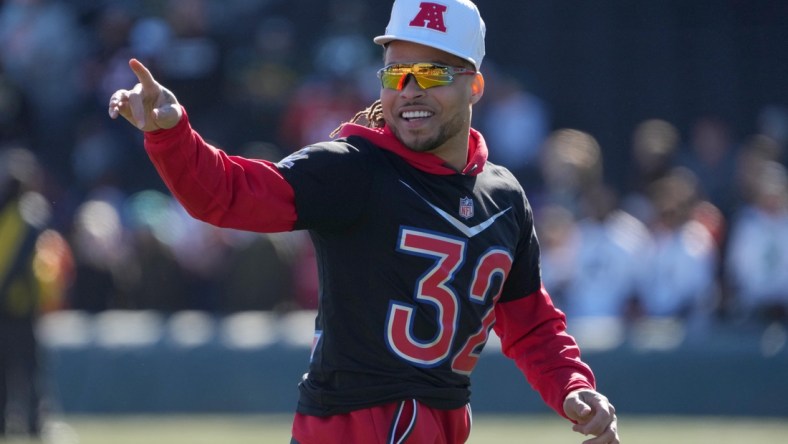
point(148, 106)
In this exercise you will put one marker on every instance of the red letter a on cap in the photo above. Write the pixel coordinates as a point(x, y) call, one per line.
point(430, 16)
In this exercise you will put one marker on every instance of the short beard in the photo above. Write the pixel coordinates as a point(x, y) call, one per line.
point(445, 133)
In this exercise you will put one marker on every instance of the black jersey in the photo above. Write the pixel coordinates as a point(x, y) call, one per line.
point(410, 265)
point(416, 260)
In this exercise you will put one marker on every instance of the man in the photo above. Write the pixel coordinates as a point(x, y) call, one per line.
point(23, 217)
point(422, 245)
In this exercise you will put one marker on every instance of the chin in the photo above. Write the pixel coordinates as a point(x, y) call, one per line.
point(421, 147)
point(418, 144)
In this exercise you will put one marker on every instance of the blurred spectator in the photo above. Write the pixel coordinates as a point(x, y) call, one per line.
point(40, 42)
point(97, 158)
point(557, 231)
point(260, 275)
point(109, 51)
point(325, 100)
point(711, 157)
point(757, 259)
point(34, 268)
point(343, 50)
point(261, 76)
point(316, 108)
point(514, 122)
point(654, 146)
point(756, 150)
point(679, 278)
point(100, 251)
point(571, 162)
point(607, 258)
point(772, 122)
point(14, 111)
point(190, 63)
point(153, 279)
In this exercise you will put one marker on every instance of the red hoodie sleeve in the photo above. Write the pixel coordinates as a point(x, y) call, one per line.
point(533, 334)
point(223, 190)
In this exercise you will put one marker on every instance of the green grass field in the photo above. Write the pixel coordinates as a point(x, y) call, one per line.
point(264, 429)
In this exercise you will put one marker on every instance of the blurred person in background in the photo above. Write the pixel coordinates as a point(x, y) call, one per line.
point(757, 257)
point(756, 150)
point(557, 231)
point(679, 280)
point(35, 267)
point(607, 259)
point(711, 156)
point(192, 61)
point(422, 245)
point(40, 42)
point(261, 73)
point(571, 162)
point(655, 143)
point(14, 110)
point(772, 122)
point(516, 122)
point(101, 250)
point(152, 277)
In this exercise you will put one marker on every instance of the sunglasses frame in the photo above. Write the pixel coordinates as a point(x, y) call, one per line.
point(423, 80)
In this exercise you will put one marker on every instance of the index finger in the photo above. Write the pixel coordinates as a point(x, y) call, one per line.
point(142, 73)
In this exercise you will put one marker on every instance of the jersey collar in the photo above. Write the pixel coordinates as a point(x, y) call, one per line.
point(427, 162)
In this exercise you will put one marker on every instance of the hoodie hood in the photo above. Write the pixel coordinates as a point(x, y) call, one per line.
point(427, 162)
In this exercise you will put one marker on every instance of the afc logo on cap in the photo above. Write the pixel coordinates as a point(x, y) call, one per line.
point(430, 16)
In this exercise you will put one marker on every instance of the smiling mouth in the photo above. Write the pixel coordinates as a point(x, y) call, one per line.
point(415, 115)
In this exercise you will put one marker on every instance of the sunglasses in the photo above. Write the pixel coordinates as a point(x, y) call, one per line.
point(427, 75)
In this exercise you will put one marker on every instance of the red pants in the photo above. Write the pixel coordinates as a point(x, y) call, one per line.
point(398, 423)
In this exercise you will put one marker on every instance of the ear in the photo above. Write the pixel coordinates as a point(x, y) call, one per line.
point(477, 88)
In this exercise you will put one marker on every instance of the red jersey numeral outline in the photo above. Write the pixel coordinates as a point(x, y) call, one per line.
point(434, 288)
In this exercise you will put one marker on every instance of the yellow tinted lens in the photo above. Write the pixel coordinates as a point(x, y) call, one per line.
point(428, 81)
point(428, 69)
point(427, 75)
point(391, 80)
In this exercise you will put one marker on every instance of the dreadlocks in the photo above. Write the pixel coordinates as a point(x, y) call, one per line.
point(373, 115)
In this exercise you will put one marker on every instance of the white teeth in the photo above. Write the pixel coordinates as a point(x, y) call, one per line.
point(416, 114)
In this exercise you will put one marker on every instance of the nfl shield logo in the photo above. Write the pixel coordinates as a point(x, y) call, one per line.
point(466, 208)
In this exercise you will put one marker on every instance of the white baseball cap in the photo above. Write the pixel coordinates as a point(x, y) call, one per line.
point(454, 26)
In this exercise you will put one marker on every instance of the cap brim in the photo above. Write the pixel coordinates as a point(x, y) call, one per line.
point(383, 39)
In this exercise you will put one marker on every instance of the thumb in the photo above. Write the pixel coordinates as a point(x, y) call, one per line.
point(577, 409)
point(167, 116)
point(580, 413)
point(582, 409)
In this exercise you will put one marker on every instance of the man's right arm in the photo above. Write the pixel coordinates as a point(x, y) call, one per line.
point(223, 190)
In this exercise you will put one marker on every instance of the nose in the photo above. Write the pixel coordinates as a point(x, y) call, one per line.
point(410, 87)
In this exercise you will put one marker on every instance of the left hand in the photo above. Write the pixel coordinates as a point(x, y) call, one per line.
point(594, 415)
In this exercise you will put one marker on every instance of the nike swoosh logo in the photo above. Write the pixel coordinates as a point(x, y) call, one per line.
point(464, 229)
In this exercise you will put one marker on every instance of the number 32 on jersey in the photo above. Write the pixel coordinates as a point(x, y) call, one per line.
point(434, 288)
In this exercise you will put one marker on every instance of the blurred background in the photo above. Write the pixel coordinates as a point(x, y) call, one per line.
point(651, 138)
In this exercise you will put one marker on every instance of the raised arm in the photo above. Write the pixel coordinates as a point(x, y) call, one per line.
point(223, 190)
